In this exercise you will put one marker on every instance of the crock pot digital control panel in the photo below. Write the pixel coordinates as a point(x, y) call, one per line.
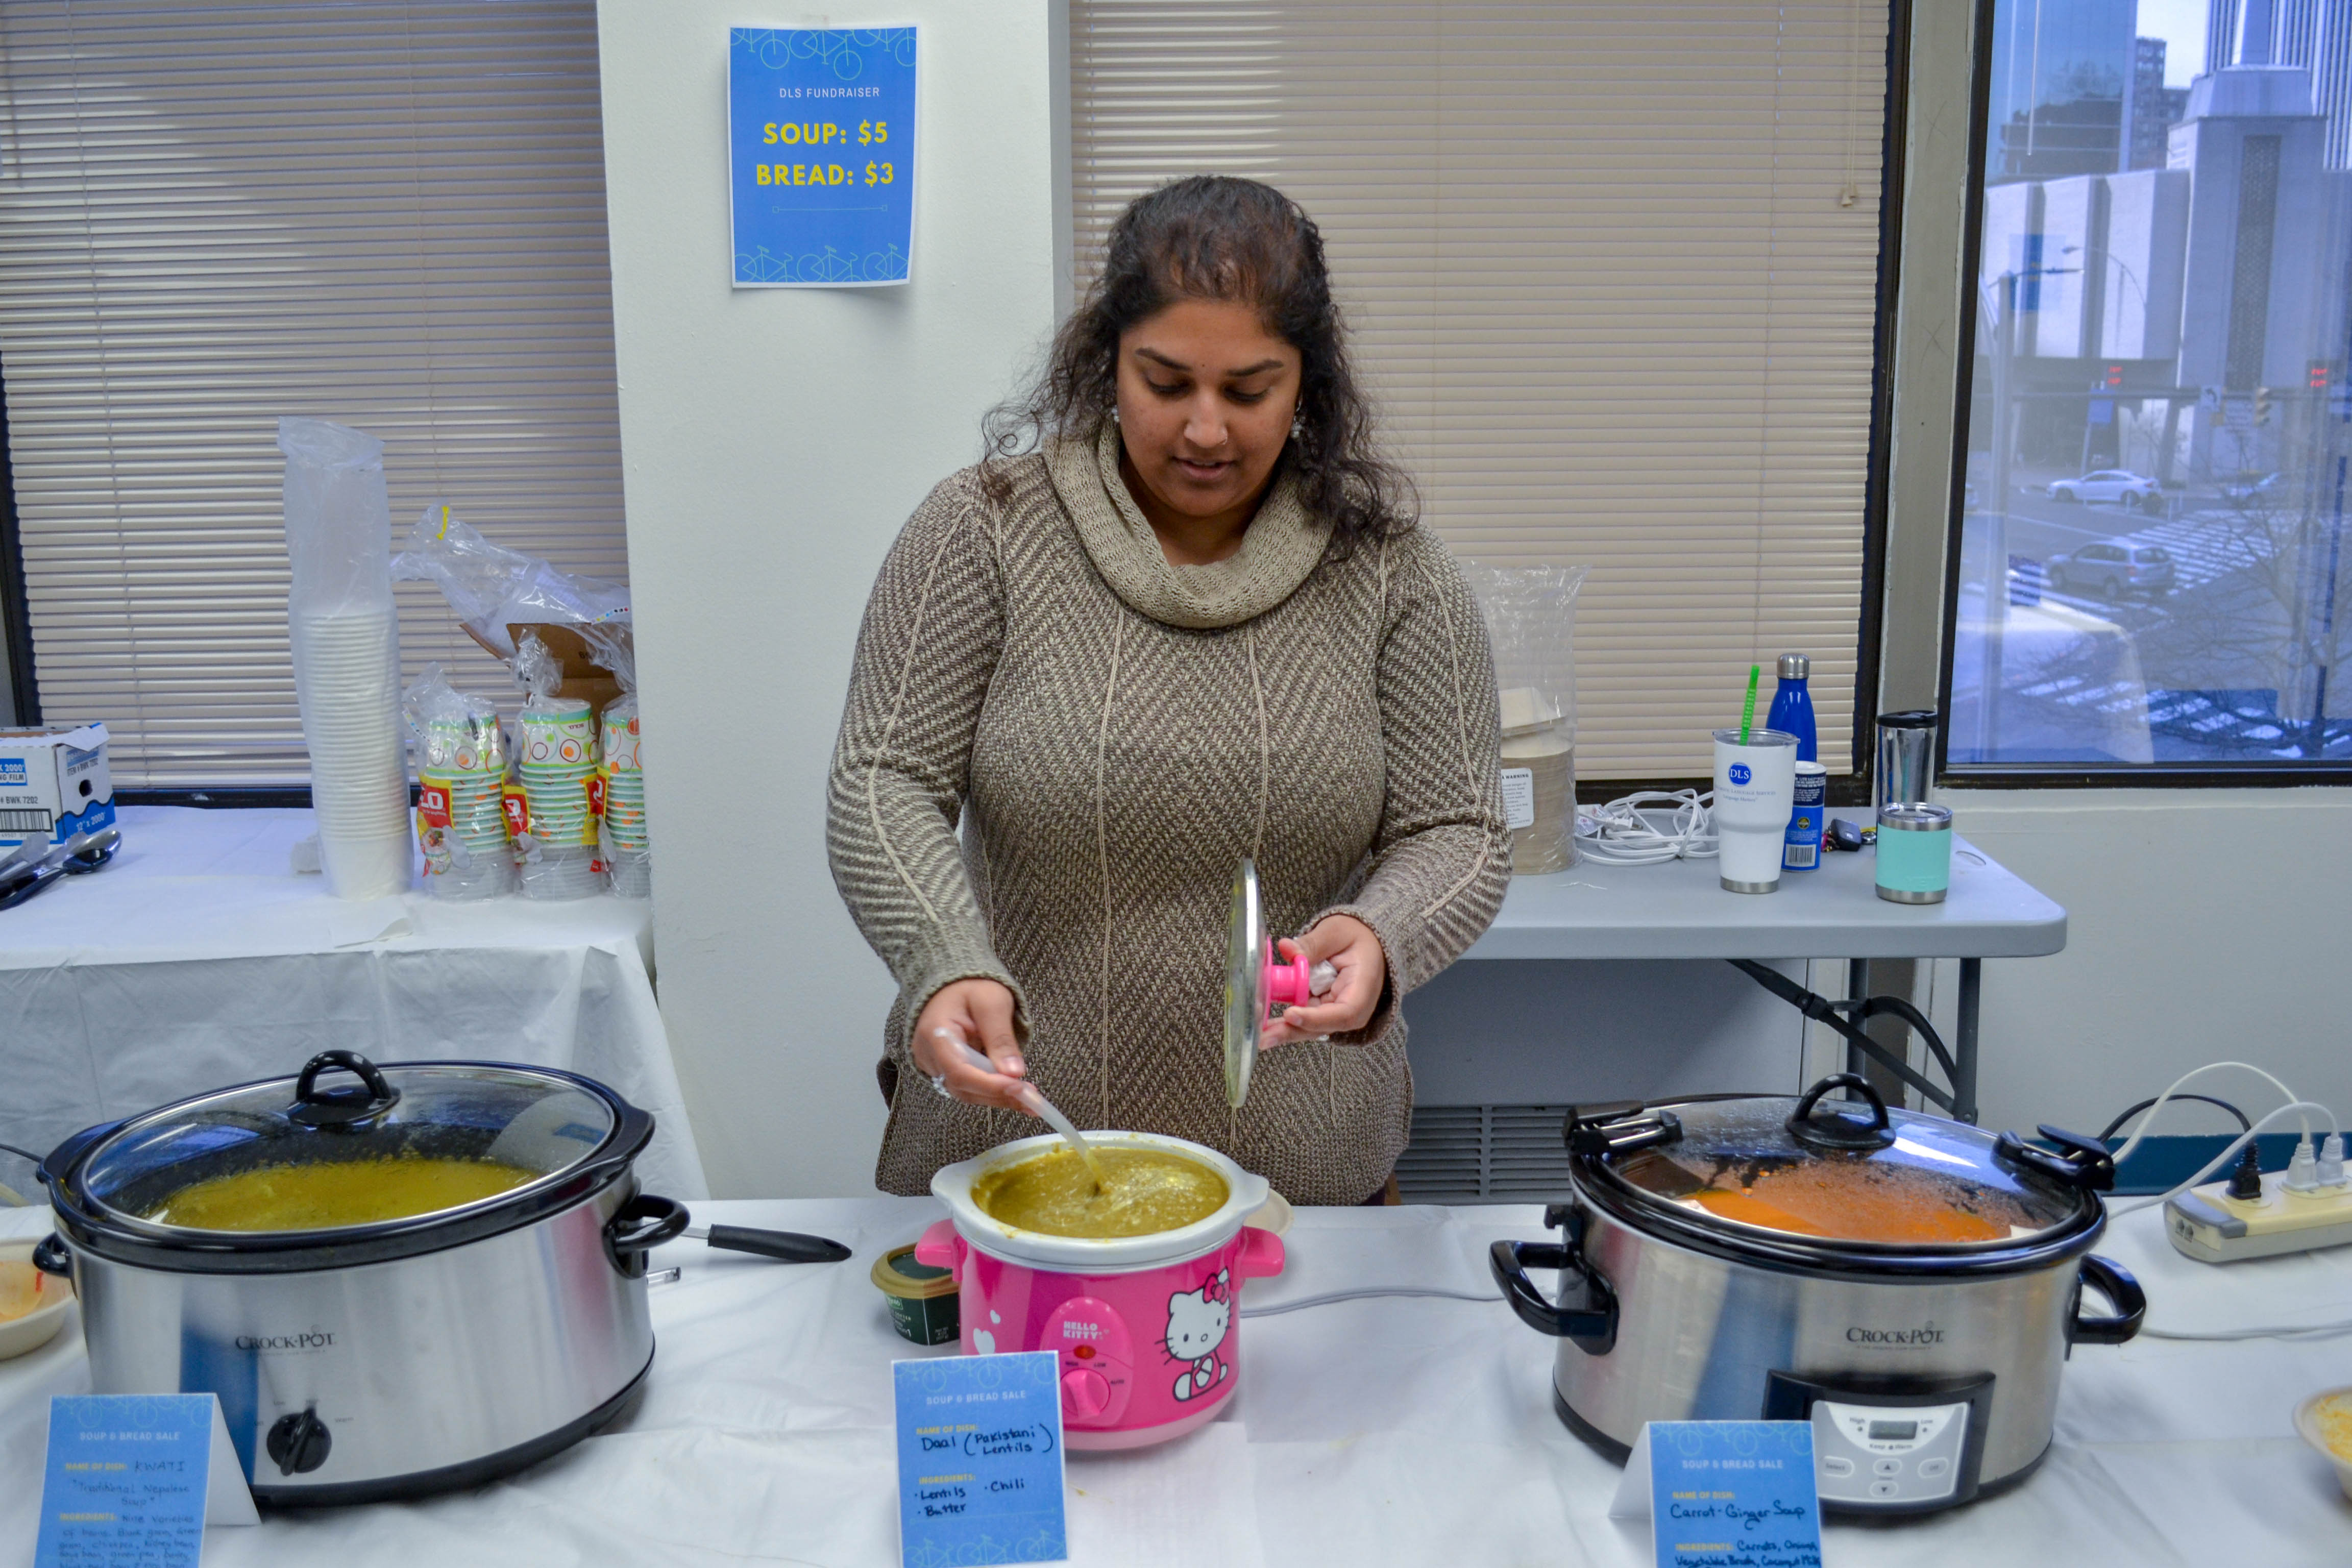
point(1872, 1454)
point(1888, 1446)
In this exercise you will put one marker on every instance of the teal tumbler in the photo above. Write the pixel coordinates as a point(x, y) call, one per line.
point(1915, 854)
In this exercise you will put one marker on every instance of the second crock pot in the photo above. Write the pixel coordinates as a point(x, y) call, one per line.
point(1910, 1285)
point(385, 1359)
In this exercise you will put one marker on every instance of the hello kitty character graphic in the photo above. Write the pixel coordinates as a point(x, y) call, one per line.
point(1197, 1321)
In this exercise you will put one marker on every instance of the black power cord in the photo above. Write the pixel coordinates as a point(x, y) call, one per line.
point(2245, 1123)
point(1821, 1010)
point(31, 1159)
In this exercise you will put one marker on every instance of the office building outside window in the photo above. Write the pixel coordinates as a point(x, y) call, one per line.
point(2153, 571)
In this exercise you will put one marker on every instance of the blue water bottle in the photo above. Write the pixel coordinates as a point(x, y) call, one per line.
point(1792, 707)
point(1793, 714)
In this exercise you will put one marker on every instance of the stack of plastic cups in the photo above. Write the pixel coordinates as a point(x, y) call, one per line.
point(347, 683)
point(627, 848)
point(556, 763)
point(464, 764)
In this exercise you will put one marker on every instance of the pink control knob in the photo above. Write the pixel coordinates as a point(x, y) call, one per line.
point(1293, 984)
point(1085, 1394)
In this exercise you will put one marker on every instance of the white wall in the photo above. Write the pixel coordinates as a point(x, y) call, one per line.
point(2201, 925)
point(775, 440)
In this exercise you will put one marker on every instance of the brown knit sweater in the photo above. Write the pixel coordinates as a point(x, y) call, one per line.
point(1057, 748)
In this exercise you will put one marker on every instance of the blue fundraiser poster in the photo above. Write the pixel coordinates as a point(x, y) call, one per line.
point(821, 156)
point(979, 1459)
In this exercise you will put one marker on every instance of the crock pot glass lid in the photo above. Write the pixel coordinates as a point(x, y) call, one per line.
point(1831, 1171)
point(342, 1108)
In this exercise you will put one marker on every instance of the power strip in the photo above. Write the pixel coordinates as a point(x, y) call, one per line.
point(2207, 1224)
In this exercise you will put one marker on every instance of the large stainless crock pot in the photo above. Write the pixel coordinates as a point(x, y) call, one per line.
point(1911, 1286)
point(409, 1355)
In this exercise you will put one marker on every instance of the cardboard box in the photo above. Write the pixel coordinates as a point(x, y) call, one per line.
point(54, 784)
point(582, 675)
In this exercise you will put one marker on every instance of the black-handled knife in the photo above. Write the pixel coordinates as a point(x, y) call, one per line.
point(783, 1246)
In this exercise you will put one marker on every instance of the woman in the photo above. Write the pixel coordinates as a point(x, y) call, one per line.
point(1198, 622)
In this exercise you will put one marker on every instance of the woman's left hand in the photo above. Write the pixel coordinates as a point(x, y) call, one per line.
point(1349, 946)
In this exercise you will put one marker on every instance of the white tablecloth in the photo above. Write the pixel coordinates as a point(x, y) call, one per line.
point(1368, 1433)
point(199, 958)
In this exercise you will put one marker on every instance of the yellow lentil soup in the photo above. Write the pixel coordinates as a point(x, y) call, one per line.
point(326, 1196)
point(2333, 1420)
point(1145, 1191)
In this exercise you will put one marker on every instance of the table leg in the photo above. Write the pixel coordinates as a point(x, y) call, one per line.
point(1964, 1043)
point(1857, 987)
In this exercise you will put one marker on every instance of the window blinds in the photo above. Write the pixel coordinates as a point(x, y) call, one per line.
point(210, 215)
point(1612, 270)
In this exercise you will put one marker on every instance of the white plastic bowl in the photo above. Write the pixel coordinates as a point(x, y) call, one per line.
point(2306, 1421)
point(1084, 1254)
point(21, 1336)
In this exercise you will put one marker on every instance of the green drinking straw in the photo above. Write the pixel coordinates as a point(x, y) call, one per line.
point(1748, 709)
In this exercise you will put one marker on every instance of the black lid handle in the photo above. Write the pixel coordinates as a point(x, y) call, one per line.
point(347, 1106)
point(1604, 1130)
point(1836, 1130)
point(2081, 1163)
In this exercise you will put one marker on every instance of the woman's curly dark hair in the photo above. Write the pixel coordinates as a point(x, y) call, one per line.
point(1215, 237)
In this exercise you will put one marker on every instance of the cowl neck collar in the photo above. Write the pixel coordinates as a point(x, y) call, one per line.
point(1280, 548)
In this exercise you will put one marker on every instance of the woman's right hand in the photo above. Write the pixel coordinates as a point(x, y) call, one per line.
point(978, 1013)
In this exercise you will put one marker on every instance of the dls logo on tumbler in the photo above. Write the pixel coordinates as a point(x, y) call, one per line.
point(1742, 772)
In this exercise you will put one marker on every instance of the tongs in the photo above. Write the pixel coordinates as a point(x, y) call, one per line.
point(24, 874)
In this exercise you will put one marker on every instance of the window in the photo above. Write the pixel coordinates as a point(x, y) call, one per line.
point(1613, 271)
point(2152, 570)
point(388, 214)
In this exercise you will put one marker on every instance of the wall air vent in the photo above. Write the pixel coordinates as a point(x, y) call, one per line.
point(1484, 1154)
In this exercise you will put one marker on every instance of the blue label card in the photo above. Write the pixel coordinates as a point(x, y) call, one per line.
point(1724, 1494)
point(131, 1480)
point(821, 156)
point(980, 1460)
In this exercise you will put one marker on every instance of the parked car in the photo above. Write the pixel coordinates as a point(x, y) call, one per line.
point(2111, 570)
point(2118, 485)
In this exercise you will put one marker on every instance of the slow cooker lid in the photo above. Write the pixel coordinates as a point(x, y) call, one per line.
point(342, 1108)
point(1817, 1170)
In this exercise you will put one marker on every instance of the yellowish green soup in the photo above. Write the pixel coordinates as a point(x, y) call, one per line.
point(323, 1196)
point(1144, 1191)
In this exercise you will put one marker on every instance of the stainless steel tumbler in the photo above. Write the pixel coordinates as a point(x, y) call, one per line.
point(1906, 757)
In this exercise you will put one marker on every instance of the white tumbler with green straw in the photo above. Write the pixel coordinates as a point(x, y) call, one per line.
point(1755, 792)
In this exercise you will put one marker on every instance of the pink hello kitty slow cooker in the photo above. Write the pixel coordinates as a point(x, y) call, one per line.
point(1145, 1327)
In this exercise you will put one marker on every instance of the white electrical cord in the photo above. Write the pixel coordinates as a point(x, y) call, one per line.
point(2148, 1120)
point(1618, 833)
point(2282, 1331)
point(1278, 1308)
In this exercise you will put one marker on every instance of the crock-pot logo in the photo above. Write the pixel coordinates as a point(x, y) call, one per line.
point(308, 1340)
point(1927, 1333)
